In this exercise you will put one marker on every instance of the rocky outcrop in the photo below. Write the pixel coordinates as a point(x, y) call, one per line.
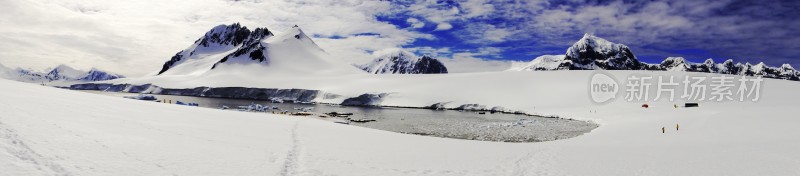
point(368, 99)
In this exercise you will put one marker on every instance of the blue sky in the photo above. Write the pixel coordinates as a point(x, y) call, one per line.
point(751, 31)
point(136, 37)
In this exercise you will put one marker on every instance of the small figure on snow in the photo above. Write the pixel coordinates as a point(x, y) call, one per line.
point(663, 130)
point(677, 127)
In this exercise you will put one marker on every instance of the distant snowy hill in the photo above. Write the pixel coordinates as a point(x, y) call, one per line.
point(398, 61)
point(545, 62)
point(235, 50)
point(59, 74)
point(99, 75)
point(594, 53)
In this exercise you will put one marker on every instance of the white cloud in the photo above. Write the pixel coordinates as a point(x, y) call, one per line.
point(496, 35)
point(430, 51)
point(415, 23)
point(474, 61)
point(137, 37)
point(477, 8)
point(357, 49)
point(468, 62)
point(443, 27)
point(484, 33)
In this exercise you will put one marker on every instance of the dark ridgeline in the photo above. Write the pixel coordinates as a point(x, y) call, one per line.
point(591, 52)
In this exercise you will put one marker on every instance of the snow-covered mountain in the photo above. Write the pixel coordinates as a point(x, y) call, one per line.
point(235, 50)
point(220, 39)
point(398, 61)
point(594, 53)
point(59, 74)
point(588, 53)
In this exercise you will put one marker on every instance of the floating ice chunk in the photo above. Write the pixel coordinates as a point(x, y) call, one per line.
point(255, 108)
point(187, 104)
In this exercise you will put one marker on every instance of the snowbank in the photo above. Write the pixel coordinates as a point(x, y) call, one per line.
point(111, 136)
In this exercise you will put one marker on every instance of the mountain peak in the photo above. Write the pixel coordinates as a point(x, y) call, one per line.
point(675, 64)
point(595, 42)
point(592, 52)
point(675, 59)
point(787, 67)
point(589, 36)
point(233, 34)
point(709, 61)
point(64, 72)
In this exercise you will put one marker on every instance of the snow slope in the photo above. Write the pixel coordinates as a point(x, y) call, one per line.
point(545, 62)
point(87, 134)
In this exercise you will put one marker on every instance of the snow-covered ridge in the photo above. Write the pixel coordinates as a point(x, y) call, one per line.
point(786, 71)
point(594, 53)
point(59, 74)
point(398, 61)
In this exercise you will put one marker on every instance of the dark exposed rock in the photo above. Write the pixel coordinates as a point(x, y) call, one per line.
point(428, 65)
point(369, 99)
point(471, 107)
